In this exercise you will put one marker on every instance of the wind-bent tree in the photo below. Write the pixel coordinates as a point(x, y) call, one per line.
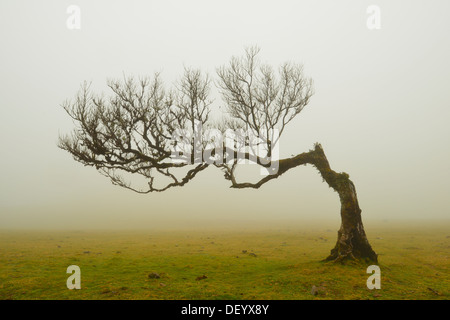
point(133, 132)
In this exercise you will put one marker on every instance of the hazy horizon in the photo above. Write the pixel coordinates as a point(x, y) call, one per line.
point(381, 106)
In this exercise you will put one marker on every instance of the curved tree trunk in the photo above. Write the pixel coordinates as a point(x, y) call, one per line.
point(352, 242)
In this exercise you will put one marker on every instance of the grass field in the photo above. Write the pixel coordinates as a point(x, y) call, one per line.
point(282, 261)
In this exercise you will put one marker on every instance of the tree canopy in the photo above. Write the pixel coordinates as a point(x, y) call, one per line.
point(140, 125)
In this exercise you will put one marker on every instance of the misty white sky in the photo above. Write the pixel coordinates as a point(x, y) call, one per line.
point(381, 108)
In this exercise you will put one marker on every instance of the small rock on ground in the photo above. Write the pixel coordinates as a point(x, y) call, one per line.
point(154, 275)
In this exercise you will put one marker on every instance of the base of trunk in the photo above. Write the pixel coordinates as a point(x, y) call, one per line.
point(352, 245)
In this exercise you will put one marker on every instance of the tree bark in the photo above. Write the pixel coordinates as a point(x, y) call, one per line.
point(352, 241)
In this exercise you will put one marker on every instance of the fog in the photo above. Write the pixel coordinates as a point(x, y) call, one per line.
point(381, 107)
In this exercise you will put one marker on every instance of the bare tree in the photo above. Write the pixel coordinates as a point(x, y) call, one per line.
point(133, 132)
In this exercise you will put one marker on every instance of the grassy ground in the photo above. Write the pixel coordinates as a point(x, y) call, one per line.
point(414, 262)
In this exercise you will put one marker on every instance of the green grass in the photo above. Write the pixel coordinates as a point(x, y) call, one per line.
point(414, 262)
